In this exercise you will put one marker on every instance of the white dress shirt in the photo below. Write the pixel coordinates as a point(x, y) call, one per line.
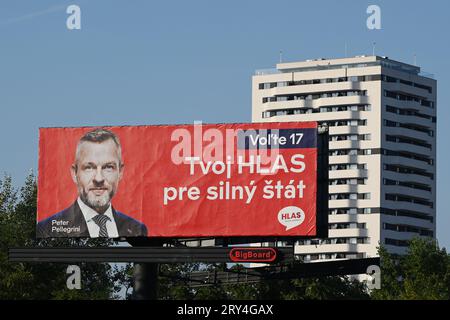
point(93, 228)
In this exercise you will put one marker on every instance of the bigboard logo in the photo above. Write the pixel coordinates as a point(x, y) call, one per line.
point(253, 254)
point(291, 217)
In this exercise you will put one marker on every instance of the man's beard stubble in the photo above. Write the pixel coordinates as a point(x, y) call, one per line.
point(99, 204)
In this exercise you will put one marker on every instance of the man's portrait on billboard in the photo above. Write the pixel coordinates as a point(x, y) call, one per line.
point(96, 172)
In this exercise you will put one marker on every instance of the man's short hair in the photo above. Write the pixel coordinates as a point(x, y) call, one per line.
point(100, 135)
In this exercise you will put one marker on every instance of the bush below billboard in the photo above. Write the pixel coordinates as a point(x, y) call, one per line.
point(178, 181)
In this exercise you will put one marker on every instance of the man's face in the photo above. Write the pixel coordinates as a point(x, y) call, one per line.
point(97, 172)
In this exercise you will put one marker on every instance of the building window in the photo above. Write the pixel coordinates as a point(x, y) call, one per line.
point(401, 139)
point(407, 170)
point(410, 199)
point(407, 184)
point(407, 97)
point(395, 242)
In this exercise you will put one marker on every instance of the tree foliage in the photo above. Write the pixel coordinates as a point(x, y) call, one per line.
point(44, 280)
point(423, 273)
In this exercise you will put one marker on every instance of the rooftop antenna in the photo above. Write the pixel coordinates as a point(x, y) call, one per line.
point(373, 48)
point(281, 56)
point(415, 59)
point(346, 55)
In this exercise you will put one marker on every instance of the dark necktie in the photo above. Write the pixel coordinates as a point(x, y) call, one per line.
point(101, 220)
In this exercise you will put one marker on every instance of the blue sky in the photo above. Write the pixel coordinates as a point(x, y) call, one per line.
point(151, 62)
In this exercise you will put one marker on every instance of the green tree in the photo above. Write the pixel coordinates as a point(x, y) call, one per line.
point(423, 273)
point(44, 280)
point(176, 286)
point(317, 288)
point(173, 281)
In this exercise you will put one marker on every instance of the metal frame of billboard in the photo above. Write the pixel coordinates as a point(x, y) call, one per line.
point(292, 271)
point(136, 254)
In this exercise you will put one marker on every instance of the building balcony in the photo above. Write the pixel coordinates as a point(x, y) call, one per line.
point(344, 218)
point(344, 159)
point(317, 103)
point(347, 233)
point(408, 191)
point(406, 89)
point(347, 130)
point(336, 101)
point(398, 235)
point(315, 88)
point(405, 104)
point(343, 188)
point(409, 162)
point(408, 177)
point(344, 203)
point(345, 144)
point(325, 248)
point(325, 116)
point(352, 173)
point(421, 223)
point(409, 119)
point(409, 133)
point(402, 205)
point(401, 146)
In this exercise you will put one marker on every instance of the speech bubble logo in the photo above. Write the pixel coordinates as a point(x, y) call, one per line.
point(291, 217)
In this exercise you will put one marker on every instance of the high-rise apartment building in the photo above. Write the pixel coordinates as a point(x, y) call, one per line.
point(381, 115)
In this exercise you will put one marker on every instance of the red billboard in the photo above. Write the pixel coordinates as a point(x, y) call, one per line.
point(178, 181)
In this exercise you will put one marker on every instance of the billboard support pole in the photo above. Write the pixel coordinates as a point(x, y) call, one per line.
point(145, 275)
point(145, 286)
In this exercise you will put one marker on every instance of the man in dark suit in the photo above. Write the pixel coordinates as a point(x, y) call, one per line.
point(97, 170)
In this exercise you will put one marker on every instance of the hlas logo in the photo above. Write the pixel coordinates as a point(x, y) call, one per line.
point(291, 217)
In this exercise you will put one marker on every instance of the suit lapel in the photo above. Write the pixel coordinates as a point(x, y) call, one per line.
point(78, 219)
point(123, 227)
point(118, 220)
